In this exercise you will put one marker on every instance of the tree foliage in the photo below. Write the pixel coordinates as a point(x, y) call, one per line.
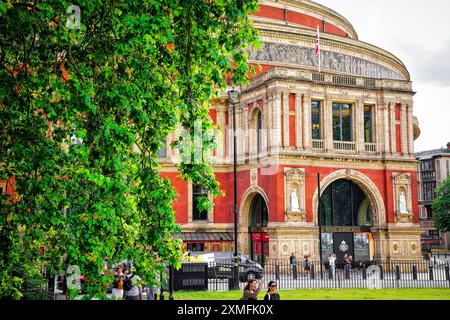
point(441, 207)
point(82, 114)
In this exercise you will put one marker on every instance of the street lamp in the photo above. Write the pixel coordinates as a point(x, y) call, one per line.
point(234, 98)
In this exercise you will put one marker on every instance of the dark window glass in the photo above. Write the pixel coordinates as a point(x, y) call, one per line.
point(342, 122)
point(259, 217)
point(197, 192)
point(259, 132)
point(193, 247)
point(343, 203)
point(368, 124)
point(316, 120)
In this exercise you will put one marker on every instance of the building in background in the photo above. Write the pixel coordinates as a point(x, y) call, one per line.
point(353, 123)
point(432, 171)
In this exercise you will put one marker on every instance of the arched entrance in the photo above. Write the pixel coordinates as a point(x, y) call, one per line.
point(258, 238)
point(346, 217)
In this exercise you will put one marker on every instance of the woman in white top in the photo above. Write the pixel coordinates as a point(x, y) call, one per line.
point(332, 261)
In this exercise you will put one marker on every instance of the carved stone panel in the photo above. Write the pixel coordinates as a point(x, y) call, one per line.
point(334, 61)
point(295, 195)
point(402, 198)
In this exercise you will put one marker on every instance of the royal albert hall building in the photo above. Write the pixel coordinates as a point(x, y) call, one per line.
point(352, 123)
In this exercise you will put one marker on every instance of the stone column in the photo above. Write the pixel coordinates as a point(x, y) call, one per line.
point(328, 123)
point(358, 131)
point(306, 106)
point(404, 129)
point(243, 133)
point(268, 107)
point(410, 129)
point(379, 127)
point(386, 133)
point(393, 128)
point(230, 134)
point(298, 120)
point(277, 121)
point(286, 135)
point(220, 152)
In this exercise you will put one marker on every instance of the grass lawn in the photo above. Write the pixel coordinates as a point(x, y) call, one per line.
point(327, 294)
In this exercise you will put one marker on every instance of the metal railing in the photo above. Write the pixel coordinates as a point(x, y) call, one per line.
point(374, 274)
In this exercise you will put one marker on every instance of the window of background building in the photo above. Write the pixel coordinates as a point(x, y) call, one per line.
point(316, 120)
point(162, 152)
point(197, 214)
point(193, 247)
point(368, 124)
point(434, 233)
point(342, 122)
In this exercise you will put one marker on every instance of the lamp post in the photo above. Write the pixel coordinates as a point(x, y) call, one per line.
point(234, 97)
point(320, 224)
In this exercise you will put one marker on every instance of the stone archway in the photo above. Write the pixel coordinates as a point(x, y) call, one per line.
point(244, 216)
point(366, 185)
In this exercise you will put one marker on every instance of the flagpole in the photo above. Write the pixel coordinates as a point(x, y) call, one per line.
point(318, 47)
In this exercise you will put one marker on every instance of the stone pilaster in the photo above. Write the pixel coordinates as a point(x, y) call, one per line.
point(328, 123)
point(393, 130)
point(286, 136)
point(306, 105)
point(358, 131)
point(220, 152)
point(410, 129)
point(277, 121)
point(404, 129)
point(298, 120)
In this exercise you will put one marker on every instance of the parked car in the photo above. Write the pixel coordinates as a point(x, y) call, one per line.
point(220, 265)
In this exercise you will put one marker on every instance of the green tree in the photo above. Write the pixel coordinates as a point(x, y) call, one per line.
point(83, 108)
point(441, 207)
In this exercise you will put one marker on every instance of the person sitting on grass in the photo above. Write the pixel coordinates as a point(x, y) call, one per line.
point(272, 293)
point(250, 290)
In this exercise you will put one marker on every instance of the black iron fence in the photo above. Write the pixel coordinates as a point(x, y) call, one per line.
point(375, 274)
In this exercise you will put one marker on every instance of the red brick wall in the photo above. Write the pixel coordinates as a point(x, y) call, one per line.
point(273, 186)
point(298, 18)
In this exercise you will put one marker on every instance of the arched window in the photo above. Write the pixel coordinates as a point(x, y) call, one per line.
point(343, 203)
point(259, 217)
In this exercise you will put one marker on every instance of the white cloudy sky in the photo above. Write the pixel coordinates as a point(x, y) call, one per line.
point(418, 32)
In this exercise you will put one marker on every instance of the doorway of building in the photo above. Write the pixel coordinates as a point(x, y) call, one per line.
point(258, 237)
point(346, 217)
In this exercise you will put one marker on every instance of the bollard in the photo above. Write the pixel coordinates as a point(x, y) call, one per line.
point(171, 283)
point(447, 273)
point(161, 295)
point(364, 271)
point(414, 273)
point(431, 272)
point(277, 271)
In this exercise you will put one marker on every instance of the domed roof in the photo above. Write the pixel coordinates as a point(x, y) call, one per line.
point(288, 32)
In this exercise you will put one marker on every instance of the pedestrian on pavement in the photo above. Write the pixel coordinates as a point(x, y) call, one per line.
point(251, 291)
point(117, 290)
point(292, 259)
point(332, 262)
point(307, 264)
point(131, 286)
point(272, 293)
point(294, 266)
